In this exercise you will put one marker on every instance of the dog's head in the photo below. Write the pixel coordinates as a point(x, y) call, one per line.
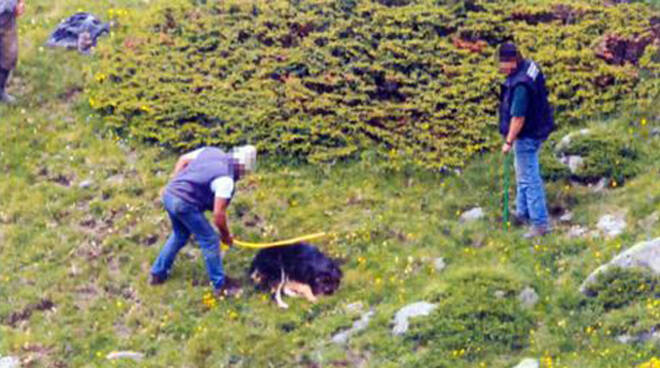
point(326, 277)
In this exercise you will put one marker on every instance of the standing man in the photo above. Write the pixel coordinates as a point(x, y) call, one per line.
point(526, 120)
point(203, 180)
point(9, 11)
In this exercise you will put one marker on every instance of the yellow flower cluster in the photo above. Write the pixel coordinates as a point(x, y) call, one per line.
point(209, 300)
point(653, 363)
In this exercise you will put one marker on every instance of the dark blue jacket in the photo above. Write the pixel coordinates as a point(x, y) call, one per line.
point(539, 120)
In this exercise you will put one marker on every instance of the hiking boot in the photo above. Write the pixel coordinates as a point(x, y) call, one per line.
point(519, 221)
point(156, 280)
point(537, 232)
point(7, 98)
point(4, 96)
point(230, 288)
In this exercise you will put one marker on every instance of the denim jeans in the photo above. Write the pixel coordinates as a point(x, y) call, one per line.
point(530, 197)
point(188, 219)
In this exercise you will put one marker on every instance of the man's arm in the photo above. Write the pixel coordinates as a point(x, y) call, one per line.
point(518, 110)
point(220, 219)
point(20, 8)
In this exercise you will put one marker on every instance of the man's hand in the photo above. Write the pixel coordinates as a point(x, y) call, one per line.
point(20, 8)
point(220, 220)
point(506, 148)
point(227, 240)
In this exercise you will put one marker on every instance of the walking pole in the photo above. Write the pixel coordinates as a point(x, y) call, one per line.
point(505, 194)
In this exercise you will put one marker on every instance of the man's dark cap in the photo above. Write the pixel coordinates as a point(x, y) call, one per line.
point(508, 51)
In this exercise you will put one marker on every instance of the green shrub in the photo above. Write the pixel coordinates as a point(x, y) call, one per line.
point(324, 80)
point(472, 320)
point(619, 287)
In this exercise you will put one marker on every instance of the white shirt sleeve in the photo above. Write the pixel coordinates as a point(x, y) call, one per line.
point(223, 187)
point(193, 155)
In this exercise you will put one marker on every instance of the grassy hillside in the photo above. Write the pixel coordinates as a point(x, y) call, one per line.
point(74, 259)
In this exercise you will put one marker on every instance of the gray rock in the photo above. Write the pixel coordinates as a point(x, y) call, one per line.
point(356, 307)
point(574, 163)
point(473, 215)
point(341, 338)
point(85, 184)
point(439, 264)
point(640, 338)
point(9, 362)
point(116, 179)
point(566, 217)
point(600, 186)
point(528, 363)
point(125, 355)
point(645, 255)
point(500, 294)
point(612, 225)
point(402, 317)
point(528, 297)
point(577, 231)
point(650, 221)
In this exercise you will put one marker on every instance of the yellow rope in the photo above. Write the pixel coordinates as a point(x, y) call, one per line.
point(277, 243)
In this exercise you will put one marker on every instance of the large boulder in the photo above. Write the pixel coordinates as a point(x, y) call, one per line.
point(643, 255)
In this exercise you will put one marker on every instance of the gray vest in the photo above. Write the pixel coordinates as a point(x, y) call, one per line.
point(193, 184)
point(8, 6)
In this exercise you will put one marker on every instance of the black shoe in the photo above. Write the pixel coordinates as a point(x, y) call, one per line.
point(518, 221)
point(156, 280)
point(231, 288)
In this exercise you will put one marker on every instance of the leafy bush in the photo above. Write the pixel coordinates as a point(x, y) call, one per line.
point(619, 287)
point(478, 314)
point(322, 80)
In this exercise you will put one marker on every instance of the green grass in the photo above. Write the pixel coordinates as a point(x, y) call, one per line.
point(88, 250)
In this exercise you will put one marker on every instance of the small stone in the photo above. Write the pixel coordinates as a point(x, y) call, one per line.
point(472, 215)
point(9, 362)
point(86, 184)
point(125, 355)
point(500, 294)
point(575, 163)
point(566, 217)
point(600, 186)
point(439, 264)
point(116, 179)
point(401, 318)
point(612, 225)
point(528, 298)
point(528, 363)
point(356, 307)
point(576, 231)
point(341, 338)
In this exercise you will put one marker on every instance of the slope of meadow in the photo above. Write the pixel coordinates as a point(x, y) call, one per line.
point(80, 223)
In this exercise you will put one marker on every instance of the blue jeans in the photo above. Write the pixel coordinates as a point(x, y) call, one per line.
point(188, 219)
point(530, 197)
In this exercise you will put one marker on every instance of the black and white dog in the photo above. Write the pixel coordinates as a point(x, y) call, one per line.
point(296, 270)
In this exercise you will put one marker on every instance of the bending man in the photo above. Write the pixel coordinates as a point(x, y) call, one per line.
point(203, 180)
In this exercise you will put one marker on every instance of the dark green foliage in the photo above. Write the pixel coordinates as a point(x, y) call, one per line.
point(324, 80)
point(619, 287)
point(478, 314)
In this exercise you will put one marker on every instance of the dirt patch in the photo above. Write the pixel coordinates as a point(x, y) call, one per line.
point(25, 313)
point(618, 50)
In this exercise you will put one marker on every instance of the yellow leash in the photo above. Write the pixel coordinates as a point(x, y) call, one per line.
point(277, 243)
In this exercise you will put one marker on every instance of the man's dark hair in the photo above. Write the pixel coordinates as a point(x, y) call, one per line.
point(509, 52)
